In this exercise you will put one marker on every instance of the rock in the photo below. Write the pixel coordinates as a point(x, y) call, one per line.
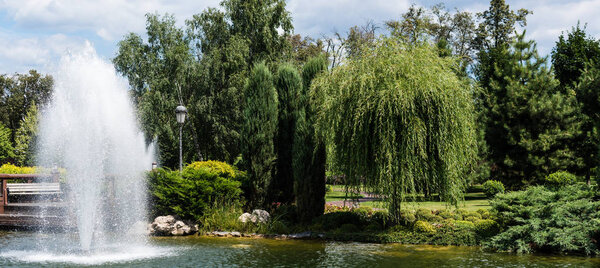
point(303, 235)
point(244, 217)
point(236, 234)
point(260, 216)
point(168, 225)
point(221, 234)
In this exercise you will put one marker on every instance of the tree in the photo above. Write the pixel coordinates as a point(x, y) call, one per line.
point(19, 92)
point(258, 132)
point(588, 97)
point(570, 55)
point(26, 138)
point(309, 156)
point(531, 122)
point(6, 148)
point(401, 121)
point(288, 84)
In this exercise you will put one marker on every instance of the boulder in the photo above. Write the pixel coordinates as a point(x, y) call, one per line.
point(260, 216)
point(244, 217)
point(168, 225)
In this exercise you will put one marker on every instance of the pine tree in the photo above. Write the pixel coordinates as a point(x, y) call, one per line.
point(531, 122)
point(308, 149)
point(258, 132)
point(288, 84)
point(588, 97)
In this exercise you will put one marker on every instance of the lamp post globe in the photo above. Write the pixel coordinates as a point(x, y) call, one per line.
point(180, 112)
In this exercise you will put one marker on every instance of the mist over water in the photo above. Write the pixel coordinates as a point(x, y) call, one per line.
point(90, 129)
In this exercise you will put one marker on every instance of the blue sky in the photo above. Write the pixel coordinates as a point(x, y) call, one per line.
point(35, 33)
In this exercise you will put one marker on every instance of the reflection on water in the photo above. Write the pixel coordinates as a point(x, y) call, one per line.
point(18, 249)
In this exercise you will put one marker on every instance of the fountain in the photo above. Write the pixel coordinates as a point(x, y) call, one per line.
point(90, 129)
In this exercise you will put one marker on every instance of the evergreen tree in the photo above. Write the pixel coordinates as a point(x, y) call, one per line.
point(571, 54)
point(401, 121)
point(258, 132)
point(531, 122)
point(6, 149)
point(588, 96)
point(26, 137)
point(309, 156)
point(288, 84)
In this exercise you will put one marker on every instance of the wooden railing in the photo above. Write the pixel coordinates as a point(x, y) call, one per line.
point(54, 177)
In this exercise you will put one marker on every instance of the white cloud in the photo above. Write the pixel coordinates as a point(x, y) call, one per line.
point(108, 19)
point(20, 54)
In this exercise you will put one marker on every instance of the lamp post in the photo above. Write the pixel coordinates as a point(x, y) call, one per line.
point(180, 112)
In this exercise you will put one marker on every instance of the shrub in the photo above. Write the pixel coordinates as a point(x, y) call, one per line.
point(424, 227)
point(335, 220)
point(278, 227)
point(190, 193)
point(538, 219)
point(485, 214)
point(374, 227)
point(464, 224)
point(381, 217)
point(492, 187)
point(347, 228)
point(487, 228)
point(328, 188)
point(560, 179)
point(423, 214)
point(407, 217)
point(446, 215)
point(364, 212)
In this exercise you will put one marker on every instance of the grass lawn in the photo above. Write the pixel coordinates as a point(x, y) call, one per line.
point(473, 201)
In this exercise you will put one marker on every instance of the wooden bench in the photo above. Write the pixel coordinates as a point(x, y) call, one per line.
point(29, 188)
point(41, 188)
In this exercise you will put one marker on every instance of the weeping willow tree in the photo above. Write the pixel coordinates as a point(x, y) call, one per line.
point(401, 122)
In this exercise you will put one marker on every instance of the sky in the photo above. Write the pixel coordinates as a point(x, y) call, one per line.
point(34, 34)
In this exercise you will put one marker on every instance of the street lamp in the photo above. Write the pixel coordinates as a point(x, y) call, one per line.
point(180, 112)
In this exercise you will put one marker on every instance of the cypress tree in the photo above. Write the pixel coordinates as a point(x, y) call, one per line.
point(258, 132)
point(288, 84)
point(401, 121)
point(308, 149)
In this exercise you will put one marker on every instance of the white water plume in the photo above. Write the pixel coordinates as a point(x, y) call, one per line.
point(91, 130)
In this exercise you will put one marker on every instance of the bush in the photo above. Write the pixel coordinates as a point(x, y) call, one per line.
point(492, 187)
point(487, 228)
point(464, 225)
point(446, 215)
point(374, 227)
point(381, 217)
point(538, 219)
point(407, 217)
point(328, 188)
point(560, 179)
point(485, 214)
point(190, 193)
point(424, 227)
point(423, 214)
point(335, 220)
point(347, 228)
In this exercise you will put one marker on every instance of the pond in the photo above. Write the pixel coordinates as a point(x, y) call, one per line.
point(18, 249)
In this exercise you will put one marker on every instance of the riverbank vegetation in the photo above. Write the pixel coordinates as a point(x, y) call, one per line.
point(415, 113)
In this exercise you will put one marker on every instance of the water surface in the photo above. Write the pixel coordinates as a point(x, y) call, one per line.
point(19, 249)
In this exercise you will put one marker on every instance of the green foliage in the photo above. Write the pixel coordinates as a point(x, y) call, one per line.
point(6, 149)
point(407, 217)
point(492, 187)
point(424, 214)
point(18, 92)
point(531, 125)
point(288, 84)
point(347, 228)
point(587, 93)
point(572, 53)
point(26, 138)
point(538, 219)
point(560, 178)
point(381, 218)
point(487, 228)
point(401, 122)
point(334, 220)
point(308, 159)
point(258, 132)
point(191, 193)
point(424, 227)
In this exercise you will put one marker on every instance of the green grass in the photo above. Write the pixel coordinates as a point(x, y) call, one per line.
point(473, 201)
